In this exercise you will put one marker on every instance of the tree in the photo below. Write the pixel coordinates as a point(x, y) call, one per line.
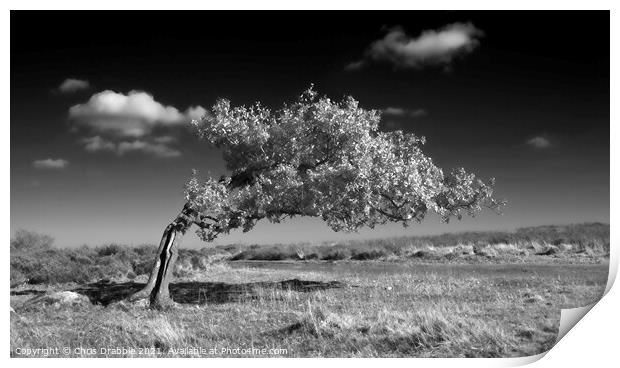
point(314, 157)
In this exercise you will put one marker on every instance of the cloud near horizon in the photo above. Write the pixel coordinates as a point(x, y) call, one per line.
point(539, 142)
point(430, 48)
point(71, 85)
point(50, 164)
point(156, 148)
point(399, 111)
point(124, 123)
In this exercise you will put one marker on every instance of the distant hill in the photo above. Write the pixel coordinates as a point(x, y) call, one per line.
point(35, 260)
point(577, 234)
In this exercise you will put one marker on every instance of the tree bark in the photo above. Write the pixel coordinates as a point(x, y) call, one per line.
point(156, 288)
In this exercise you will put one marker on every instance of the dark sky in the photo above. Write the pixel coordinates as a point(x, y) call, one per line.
point(527, 103)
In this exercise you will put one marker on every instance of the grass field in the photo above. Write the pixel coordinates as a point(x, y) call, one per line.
point(487, 294)
point(317, 309)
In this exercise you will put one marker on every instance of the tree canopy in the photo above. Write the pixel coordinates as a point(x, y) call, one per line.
point(322, 158)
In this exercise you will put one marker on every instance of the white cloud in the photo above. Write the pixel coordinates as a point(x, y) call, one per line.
point(154, 149)
point(96, 144)
point(157, 148)
point(50, 164)
point(165, 139)
point(71, 85)
point(354, 66)
point(399, 111)
point(135, 114)
point(195, 112)
point(539, 142)
point(126, 123)
point(431, 47)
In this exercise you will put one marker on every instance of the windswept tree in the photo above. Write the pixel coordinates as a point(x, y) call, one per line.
point(314, 157)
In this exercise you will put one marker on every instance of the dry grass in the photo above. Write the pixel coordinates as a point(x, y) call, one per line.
point(385, 310)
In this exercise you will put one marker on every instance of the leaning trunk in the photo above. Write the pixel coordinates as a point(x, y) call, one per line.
point(156, 289)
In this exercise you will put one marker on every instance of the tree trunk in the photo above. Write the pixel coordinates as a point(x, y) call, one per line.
point(156, 288)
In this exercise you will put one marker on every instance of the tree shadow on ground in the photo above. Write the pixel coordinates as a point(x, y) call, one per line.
point(105, 293)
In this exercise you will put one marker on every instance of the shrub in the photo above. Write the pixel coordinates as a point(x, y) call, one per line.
point(25, 240)
point(35, 260)
point(269, 254)
point(109, 249)
point(336, 254)
point(365, 255)
point(49, 266)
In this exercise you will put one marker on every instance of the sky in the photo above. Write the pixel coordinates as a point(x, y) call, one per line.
point(100, 104)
